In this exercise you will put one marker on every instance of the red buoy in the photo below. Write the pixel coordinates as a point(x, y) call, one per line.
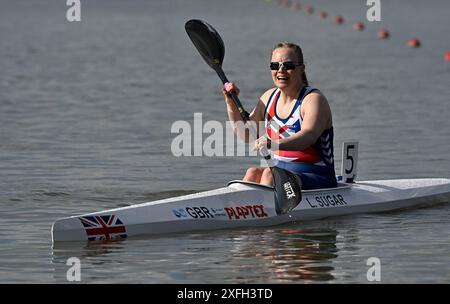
point(414, 43)
point(447, 56)
point(310, 10)
point(383, 34)
point(297, 7)
point(358, 26)
point(339, 20)
point(323, 14)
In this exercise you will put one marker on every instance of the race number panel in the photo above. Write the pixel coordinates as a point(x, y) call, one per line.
point(349, 161)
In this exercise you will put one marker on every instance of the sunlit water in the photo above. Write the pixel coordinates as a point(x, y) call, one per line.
point(86, 111)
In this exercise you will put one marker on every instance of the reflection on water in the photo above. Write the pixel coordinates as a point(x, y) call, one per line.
point(295, 254)
point(277, 255)
point(85, 249)
point(92, 256)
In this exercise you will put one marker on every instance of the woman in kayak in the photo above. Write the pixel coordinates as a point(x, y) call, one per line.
point(297, 121)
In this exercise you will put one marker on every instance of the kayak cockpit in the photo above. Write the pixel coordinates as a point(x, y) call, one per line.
point(237, 181)
point(241, 182)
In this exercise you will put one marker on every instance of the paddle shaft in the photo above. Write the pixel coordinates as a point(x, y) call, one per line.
point(244, 115)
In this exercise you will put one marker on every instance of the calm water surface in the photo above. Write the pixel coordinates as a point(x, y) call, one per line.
point(86, 111)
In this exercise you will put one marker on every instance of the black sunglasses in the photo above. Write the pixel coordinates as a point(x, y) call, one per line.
point(287, 65)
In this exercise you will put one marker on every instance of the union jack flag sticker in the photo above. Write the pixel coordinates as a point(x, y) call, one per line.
point(103, 227)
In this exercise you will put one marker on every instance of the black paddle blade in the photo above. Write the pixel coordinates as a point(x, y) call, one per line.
point(207, 41)
point(287, 192)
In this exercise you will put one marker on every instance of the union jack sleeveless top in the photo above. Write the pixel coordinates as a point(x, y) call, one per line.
point(320, 154)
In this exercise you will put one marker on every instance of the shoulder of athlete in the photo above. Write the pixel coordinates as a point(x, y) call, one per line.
point(315, 99)
point(258, 112)
point(266, 96)
point(316, 102)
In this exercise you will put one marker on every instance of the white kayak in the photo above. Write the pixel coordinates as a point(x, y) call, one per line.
point(243, 204)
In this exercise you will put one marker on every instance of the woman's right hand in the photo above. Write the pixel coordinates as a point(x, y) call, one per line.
point(228, 88)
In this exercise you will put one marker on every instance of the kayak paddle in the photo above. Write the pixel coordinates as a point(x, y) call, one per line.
point(287, 190)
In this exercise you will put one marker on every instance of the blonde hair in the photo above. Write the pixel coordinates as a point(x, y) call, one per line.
point(298, 52)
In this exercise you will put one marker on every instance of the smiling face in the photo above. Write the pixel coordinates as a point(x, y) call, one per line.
point(282, 77)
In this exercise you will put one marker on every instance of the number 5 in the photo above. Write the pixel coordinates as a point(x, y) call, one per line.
point(349, 161)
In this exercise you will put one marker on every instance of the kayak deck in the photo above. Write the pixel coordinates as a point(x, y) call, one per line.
point(243, 204)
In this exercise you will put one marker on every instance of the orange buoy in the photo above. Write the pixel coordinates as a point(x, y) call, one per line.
point(414, 43)
point(383, 34)
point(447, 56)
point(310, 10)
point(358, 26)
point(323, 14)
point(338, 20)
